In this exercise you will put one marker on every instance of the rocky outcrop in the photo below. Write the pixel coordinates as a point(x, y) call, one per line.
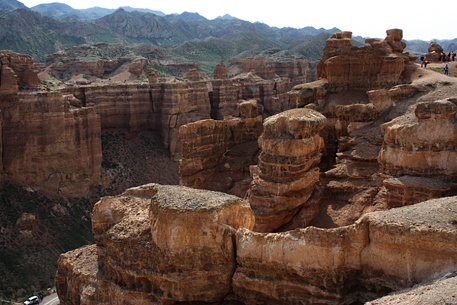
point(94, 60)
point(258, 66)
point(265, 81)
point(419, 152)
point(164, 244)
point(216, 154)
point(227, 93)
point(380, 65)
point(287, 171)
point(423, 144)
point(172, 244)
point(275, 64)
point(17, 70)
point(383, 251)
point(137, 66)
point(220, 72)
point(434, 52)
point(47, 144)
point(407, 190)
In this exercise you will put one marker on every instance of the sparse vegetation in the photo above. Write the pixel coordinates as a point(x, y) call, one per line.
point(437, 69)
point(28, 259)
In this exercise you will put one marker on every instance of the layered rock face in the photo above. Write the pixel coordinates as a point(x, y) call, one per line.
point(297, 70)
point(171, 244)
point(120, 106)
point(97, 60)
point(216, 155)
point(162, 244)
point(47, 144)
point(287, 171)
point(177, 104)
point(384, 250)
point(377, 66)
point(266, 82)
point(423, 144)
point(17, 70)
point(359, 89)
point(419, 151)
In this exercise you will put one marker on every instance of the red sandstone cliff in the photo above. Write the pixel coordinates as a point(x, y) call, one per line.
point(216, 154)
point(17, 70)
point(47, 144)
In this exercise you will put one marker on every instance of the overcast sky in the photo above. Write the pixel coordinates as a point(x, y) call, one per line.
point(426, 21)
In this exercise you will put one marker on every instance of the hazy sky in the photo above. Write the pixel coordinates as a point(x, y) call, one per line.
point(418, 19)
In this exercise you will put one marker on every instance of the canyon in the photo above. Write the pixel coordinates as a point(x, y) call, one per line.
point(334, 191)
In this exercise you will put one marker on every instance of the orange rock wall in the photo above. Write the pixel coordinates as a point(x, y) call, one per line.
point(17, 70)
point(47, 144)
point(121, 106)
point(423, 144)
point(217, 154)
point(177, 104)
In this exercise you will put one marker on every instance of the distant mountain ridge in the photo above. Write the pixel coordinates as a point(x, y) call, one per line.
point(61, 11)
point(51, 27)
point(11, 5)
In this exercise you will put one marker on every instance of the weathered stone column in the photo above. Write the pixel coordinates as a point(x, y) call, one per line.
point(287, 170)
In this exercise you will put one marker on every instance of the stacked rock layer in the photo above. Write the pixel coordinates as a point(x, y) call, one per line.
point(166, 243)
point(287, 169)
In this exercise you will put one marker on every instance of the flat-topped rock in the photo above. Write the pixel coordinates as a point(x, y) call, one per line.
point(175, 240)
point(423, 144)
point(293, 124)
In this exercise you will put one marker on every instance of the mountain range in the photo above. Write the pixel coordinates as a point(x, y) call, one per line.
point(47, 28)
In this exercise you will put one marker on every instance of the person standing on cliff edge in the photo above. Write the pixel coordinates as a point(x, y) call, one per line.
point(446, 69)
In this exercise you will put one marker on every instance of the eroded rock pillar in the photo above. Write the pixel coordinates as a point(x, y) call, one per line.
point(287, 170)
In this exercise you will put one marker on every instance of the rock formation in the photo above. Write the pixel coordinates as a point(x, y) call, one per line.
point(434, 52)
point(17, 70)
point(383, 250)
point(420, 151)
point(94, 60)
point(423, 144)
point(356, 102)
point(47, 144)
point(120, 106)
point(287, 171)
point(380, 65)
point(170, 244)
point(158, 243)
point(216, 154)
point(266, 82)
point(176, 104)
